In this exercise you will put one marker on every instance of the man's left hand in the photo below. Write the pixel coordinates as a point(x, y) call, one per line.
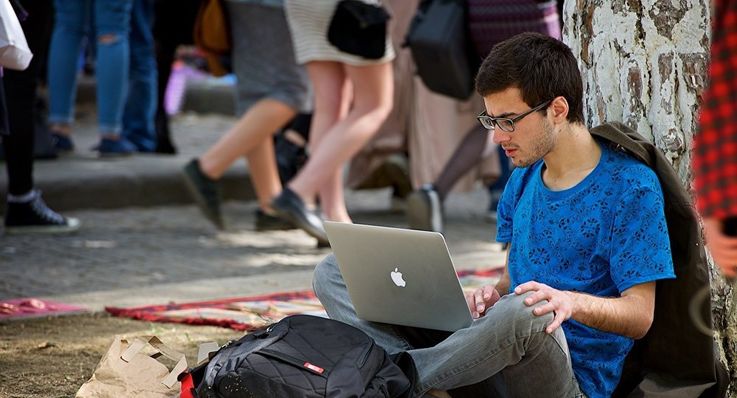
point(560, 303)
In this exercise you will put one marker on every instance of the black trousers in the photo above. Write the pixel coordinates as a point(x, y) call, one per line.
point(20, 94)
point(173, 26)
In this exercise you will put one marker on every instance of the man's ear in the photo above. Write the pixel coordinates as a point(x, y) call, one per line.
point(558, 109)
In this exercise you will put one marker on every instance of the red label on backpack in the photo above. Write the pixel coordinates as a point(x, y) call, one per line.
point(314, 368)
point(187, 387)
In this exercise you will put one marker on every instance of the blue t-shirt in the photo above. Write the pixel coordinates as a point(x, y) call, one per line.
point(601, 237)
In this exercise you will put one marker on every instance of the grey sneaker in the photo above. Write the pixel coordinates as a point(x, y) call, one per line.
point(424, 210)
point(34, 216)
point(205, 192)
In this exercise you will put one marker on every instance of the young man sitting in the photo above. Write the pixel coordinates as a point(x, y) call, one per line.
point(588, 239)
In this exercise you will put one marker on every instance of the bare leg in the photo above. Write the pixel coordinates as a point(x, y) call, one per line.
point(332, 100)
point(373, 88)
point(258, 124)
point(332, 97)
point(64, 129)
point(251, 136)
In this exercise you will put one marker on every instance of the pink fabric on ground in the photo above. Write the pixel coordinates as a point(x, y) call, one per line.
point(32, 307)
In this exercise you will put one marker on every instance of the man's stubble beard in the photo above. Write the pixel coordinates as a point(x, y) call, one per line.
point(541, 146)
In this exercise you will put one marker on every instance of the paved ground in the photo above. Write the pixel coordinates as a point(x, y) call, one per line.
point(149, 255)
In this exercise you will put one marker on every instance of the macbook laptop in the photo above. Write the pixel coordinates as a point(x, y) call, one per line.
point(399, 276)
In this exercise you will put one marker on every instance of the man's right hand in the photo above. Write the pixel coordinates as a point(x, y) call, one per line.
point(481, 300)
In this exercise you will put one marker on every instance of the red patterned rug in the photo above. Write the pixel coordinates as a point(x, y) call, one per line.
point(248, 313)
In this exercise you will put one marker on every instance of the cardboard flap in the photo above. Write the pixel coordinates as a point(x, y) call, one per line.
point(139, 343)
point(203, 353)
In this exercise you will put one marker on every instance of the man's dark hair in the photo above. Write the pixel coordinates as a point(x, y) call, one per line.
point(540, 66)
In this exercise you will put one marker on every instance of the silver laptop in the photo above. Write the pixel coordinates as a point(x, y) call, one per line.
point(399, 276)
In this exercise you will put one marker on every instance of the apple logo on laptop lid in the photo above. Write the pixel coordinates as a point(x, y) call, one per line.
point(397, 278)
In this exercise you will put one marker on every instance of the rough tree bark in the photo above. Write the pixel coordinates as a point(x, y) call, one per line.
point(645, 63)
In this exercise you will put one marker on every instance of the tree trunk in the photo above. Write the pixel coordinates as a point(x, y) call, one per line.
point(645, 63)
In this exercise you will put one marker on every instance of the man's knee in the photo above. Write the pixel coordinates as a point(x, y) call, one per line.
point(325, 274)
point(518, 315)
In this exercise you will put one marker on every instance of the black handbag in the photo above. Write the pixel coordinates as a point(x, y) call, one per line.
point(359, 28)
point(438, 40)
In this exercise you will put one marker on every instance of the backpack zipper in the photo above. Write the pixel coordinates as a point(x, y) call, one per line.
point(364, 357)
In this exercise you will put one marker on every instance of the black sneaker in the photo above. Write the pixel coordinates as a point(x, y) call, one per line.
point(267, 222)
point(205, 192)
point(34, 216)
point(289, 206)
point(62, 143)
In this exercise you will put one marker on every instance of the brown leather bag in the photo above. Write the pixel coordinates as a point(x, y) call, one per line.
point(212, 34)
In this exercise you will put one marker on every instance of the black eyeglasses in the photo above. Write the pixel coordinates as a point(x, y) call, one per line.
point(505, 123)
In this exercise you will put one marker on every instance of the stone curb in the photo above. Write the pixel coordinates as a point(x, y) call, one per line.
point(137, 181)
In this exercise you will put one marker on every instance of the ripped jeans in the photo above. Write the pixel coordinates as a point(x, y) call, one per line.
point(106, 25)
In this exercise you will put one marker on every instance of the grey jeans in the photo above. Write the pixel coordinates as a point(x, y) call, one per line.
point(506, 353)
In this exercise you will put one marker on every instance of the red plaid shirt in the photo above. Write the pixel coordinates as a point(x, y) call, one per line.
point(715, 145)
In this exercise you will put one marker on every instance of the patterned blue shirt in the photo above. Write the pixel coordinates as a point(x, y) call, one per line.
point(601, 237)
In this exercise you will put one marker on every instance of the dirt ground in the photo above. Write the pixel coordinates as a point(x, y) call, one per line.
point(52, 357)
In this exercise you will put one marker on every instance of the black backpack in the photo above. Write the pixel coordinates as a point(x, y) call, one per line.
point(443, 55)
point(302, 356)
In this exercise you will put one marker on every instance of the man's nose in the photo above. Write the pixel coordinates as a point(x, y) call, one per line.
point(499, 136)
